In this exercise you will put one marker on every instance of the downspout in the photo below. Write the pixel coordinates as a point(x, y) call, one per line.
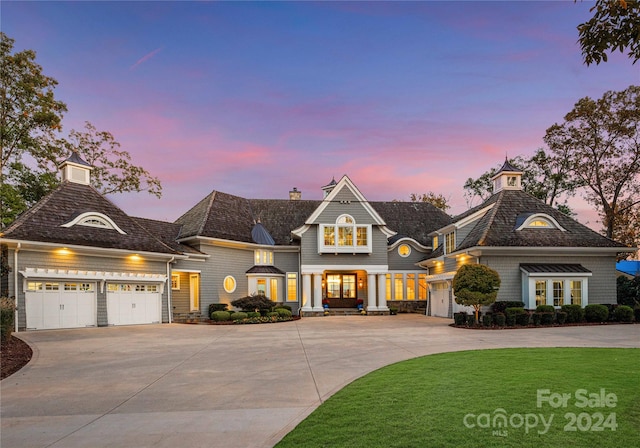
point(15, 283)
point(299, 282)
point(170, 310)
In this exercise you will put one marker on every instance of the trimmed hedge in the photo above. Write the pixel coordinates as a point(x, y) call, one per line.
point(499, 319)
point(459, 318)
point(217, 307)
point(561, 317)
point(251, 314)
point(575, 313)
point(239, 316)
point(623, 313)
point(501, 307)
point(220, 316)
point(283, 312)
point(545, 309)
point(596, 313)
point(487, 320)
point(546, 318)
point(253, 303)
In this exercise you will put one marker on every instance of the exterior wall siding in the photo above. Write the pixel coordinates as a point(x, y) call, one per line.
point(399, 263)
point(344, 203)
point(602, 283)
point(51, 260)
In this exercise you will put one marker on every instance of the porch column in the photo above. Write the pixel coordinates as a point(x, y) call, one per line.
point(382, 292)
point(306, 292)
point(371, 292)
point(317, 292)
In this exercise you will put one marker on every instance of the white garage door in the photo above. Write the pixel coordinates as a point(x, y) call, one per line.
point(60, 304)
point(440, 299)
point(130, 304)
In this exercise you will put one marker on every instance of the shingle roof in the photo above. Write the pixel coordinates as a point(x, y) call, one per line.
point(265, 270)
point(497, 227)
point(168, 233)
point(43, 222)
point(221, 215)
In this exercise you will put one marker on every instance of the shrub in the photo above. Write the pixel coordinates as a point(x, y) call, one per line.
point(253, 303)
point(471, 320)
point(522, 319)
point(7, 314)
point(217, 307)
point(284, 307)
point(220, 316)
point(251, 314)
point(283, 312)
point(535, 317)
point(623, 313)
point(239, 316)
point(487, 320)
point(501, 307)
point(561, 317)
point(459, 319)
point(596, 313)
point(636, 314)
point(499, 319)
point(545, 309)
point(546, 318)
point(273, 314)
point(575, 313)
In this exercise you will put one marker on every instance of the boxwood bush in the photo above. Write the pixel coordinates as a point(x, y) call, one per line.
point(487, 320)
point(623, 313)
point(251, 314)
point(545, 309)
point(217, 307)
point(535, 318)
point(471, 320)
point(239, 316)
point(636, 313)
point(220, 316)
point(253, 303)
point(596, 313)
point(283, 312)
point(459, 319)
point(501, 307)
point(561, 317)
point(522, 319)
point(575, 313)
point(499, 319)
point(546, 318)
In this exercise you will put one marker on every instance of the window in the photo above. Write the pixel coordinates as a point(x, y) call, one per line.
point(388, 286)
point(512, 181)
point(70, 287)
point(404, 250)
point(422, 286)
point(94, 219)
point(229, 284)
point(344, 236)
point(34, 286)
point(576, 292)
point(558, 293)
point(398, 284)
point(51, 286)
point(262, 287)
point(411, 286)
point(435, 242)
point(292, 287)
point(264, 257)
point(175, 281)
point(273, 289)
point(541, 292)
point(449, 242)
point(537, 221)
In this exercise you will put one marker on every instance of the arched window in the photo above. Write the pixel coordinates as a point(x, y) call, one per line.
point(94, 219)
point(345, 236)
point(537, 221)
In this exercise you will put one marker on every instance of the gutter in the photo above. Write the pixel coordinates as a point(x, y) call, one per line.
point(15, 283)
point(169, 310)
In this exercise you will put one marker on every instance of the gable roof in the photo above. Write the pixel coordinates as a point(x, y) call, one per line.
point(497, 228)
point(44, 222)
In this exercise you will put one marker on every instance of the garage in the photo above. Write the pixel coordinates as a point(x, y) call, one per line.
point(440, 299)
point(60, 304)
point(132, 304)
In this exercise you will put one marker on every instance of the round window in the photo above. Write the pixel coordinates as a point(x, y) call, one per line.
point(404, 250)
point(229, 284)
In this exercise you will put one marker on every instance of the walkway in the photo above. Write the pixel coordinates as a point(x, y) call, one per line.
point(224, 386)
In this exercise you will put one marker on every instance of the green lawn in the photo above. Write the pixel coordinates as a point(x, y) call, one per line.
point(423, 402)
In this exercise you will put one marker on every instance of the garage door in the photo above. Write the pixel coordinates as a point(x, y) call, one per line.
point(59, 304)
point(440, 299)
point(131, 304)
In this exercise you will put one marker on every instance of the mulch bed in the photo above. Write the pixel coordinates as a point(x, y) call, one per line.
point(15, 354)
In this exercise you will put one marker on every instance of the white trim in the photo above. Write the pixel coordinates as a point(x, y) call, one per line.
point(413, 243)
point(555, 274)
point(478, 251)
point(238, 244)
point(73, 274)
point(192, 271)
point(441, 277)
point(110, 224)
point(408, 253)
point(345, 181)
point(177, 288)
point(353, 249)
point(320, 268)
point(553, 224)
point(473, 217)
point(265, 275)
point(235, 284)
point(301, 230)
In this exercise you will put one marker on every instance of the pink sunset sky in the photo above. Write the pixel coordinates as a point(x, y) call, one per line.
point(256, 98)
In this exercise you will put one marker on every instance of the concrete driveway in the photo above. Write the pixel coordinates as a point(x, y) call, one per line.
point(224, 386)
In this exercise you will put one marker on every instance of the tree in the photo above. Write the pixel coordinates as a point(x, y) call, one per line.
point(437, 200)
point(628, 291)
point(601, 140)
point(543, 176)
point(476, 285)
point(615, 25)
point(33, 146)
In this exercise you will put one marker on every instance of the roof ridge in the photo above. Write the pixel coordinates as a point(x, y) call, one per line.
point(493, 211)
point(208, 212)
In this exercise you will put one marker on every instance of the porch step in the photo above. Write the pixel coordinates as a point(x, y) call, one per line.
point(343, 312)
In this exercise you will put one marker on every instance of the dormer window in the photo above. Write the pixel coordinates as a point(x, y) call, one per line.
point(94, 219)
point(537, 221)
point(344, 236)
point(449, 242)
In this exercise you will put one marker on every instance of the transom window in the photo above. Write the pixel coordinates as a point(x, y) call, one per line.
point(344, 236)
point(263, 257)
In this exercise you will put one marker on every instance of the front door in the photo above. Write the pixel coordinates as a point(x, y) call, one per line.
point(341, 290)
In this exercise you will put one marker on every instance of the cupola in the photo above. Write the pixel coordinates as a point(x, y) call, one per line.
point(507, 178)
point(74, 169)
point(329, 187)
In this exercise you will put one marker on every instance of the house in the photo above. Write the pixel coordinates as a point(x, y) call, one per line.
point(77, 260)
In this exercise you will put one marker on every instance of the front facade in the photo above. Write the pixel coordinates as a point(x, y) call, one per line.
point(77, 260)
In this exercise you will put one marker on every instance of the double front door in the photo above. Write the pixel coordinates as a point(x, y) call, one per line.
point(341, 290)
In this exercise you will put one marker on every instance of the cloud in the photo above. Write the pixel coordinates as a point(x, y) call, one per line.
point(146, 57)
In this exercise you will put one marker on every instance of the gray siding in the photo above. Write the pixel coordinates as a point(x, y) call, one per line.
point(336, 208)
point(399, 263)
point(602, 284)
point(49, 260)
point(309, 247)
point(463, 232)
